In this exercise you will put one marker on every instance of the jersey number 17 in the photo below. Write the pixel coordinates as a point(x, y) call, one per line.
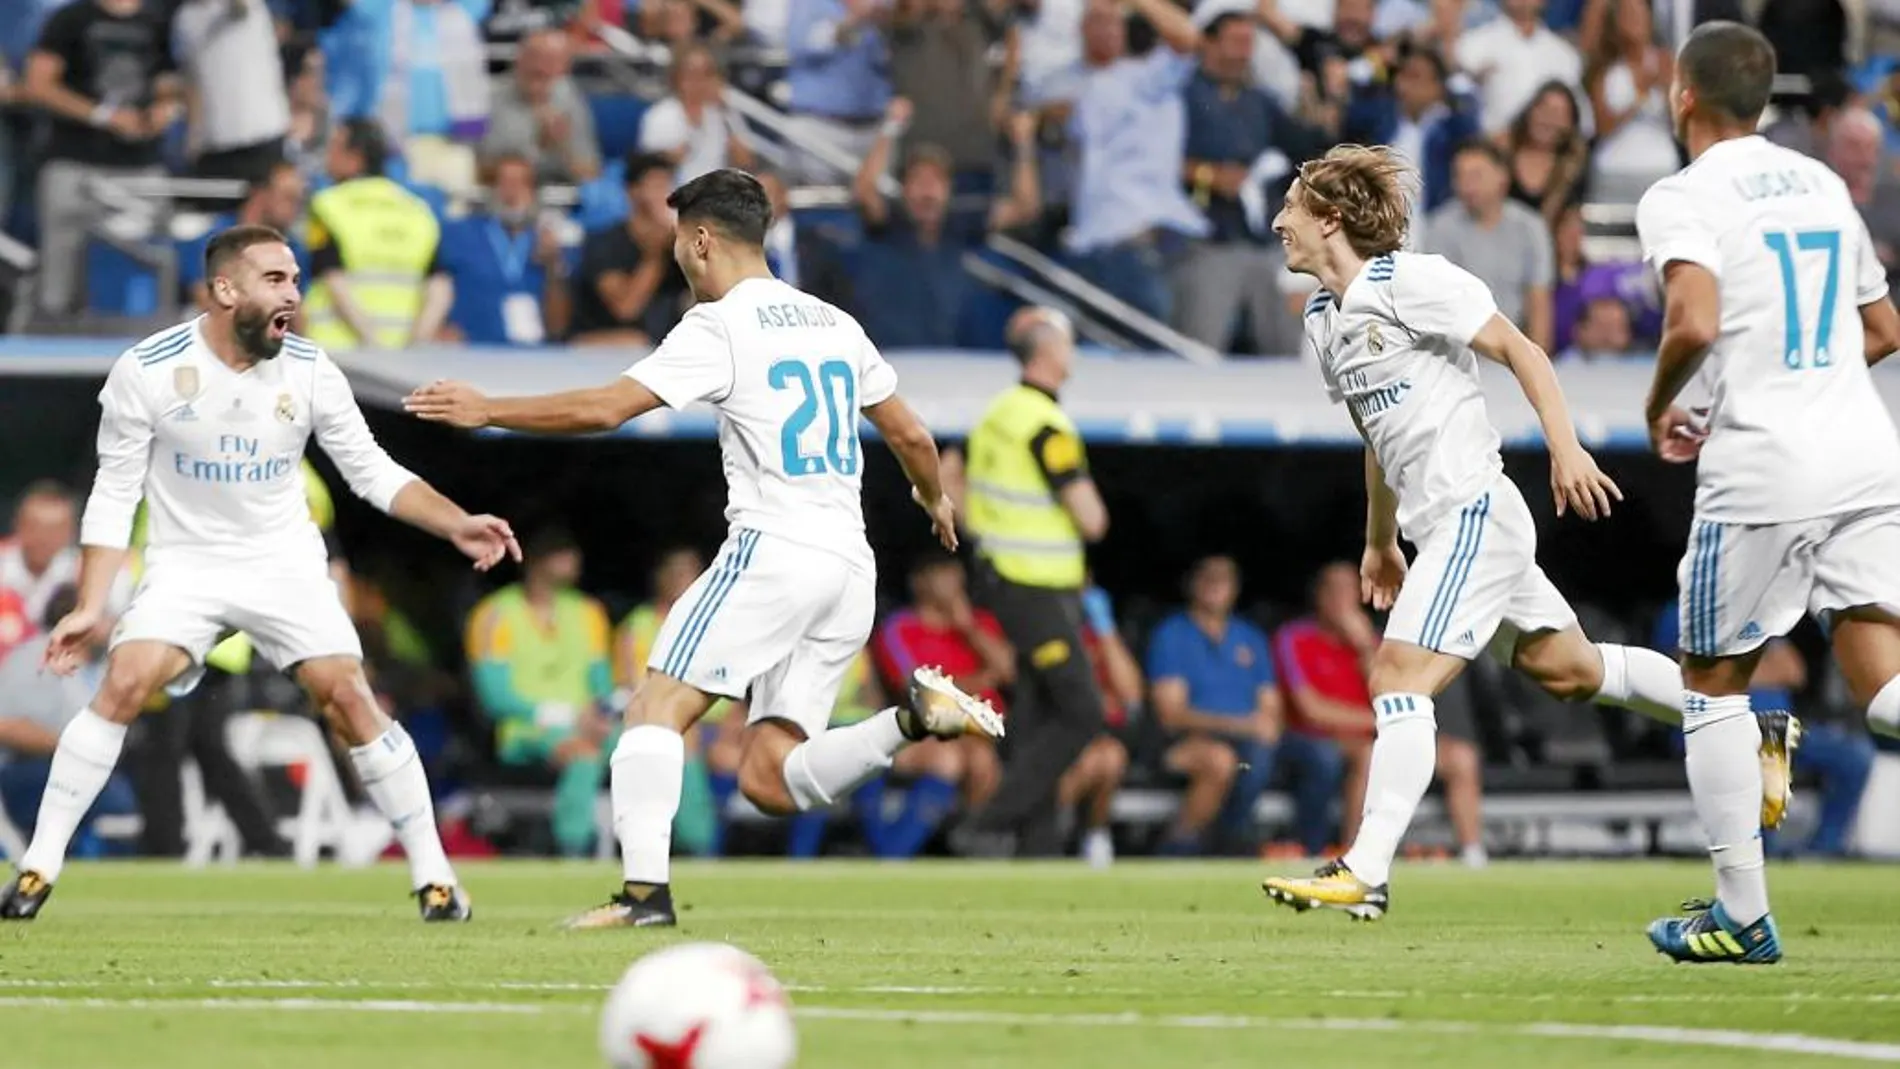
point(836, 387)
point(1794, 350)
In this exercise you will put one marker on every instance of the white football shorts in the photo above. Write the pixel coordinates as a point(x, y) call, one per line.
point(1475, 577)
point(288, 604)
point(772, 618)
point(1743, 584)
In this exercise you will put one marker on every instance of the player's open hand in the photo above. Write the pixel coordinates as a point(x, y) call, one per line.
point(1578, 485)
point(1677, 435)
point(943, 517)
point(443, 401)
point(486, 540)
point(66, 646)
point(1381, 574)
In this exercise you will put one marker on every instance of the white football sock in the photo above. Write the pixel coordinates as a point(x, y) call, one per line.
point(649, 766)
point(392, 776)
point(1722, 737)
point(1642, 681)
point(1883, 713)
point(88, 749)
point(1404, 755)
point(819, 771)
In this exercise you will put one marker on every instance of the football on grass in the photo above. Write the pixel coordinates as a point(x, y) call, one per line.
point(698, 1006)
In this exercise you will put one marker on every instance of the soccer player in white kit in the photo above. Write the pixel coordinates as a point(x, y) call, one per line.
point(788, 603)
point(1397, 336)
point(1776, 304)
point(208, 422)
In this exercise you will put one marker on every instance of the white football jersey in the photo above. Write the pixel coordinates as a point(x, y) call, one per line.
point(217, 454)
point(787, 374)
point(1796, 430)
point(1396, 348)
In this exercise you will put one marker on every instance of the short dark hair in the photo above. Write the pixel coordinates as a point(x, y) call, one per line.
point(548, 541)
point(1411, 51)
point(1483, 146)
point(1731, 67)
point(731, 200)
point(640, 164)
point(365, 138)
point(227, 245)
point(262, 183)
point(48, 489)
point(930, 155)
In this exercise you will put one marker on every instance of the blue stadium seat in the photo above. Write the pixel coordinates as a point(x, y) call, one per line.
point(118, 285)
point(617, 122)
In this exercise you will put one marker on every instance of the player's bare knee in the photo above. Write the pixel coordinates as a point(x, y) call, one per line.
point(662, 701)
point(1565, 664)
point(128, 684)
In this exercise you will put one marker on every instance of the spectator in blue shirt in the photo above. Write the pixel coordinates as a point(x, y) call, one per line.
point(509, 269)
point(910, 285)
point(276, 202)
point(1129, 216)
point(1242, 149)
point(1214, 691)
point(1417, 115)
point(839, 78)
point(1841, 754)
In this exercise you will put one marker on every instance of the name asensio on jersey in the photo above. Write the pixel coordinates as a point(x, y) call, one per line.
point(796, 315)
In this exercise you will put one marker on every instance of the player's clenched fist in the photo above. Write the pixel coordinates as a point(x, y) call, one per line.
point(455, 403)
point(1578, 484)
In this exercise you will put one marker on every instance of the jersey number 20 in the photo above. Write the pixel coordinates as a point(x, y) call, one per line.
point(837, 386)
point(1794, 351)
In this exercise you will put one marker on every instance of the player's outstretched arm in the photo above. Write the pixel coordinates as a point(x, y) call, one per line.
point(916, 451)
point(486, 540)
point(1575, 480)
point(591, 411)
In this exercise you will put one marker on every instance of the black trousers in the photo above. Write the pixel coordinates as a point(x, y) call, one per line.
point(1055, 707)
point(194, 726)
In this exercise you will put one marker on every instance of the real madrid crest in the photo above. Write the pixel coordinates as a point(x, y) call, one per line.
point(185, 382)
point(285, 410)
point(1375, 340)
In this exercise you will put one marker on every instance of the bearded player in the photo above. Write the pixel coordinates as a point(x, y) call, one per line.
point(208, 423)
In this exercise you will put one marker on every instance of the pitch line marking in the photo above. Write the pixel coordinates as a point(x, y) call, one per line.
point(1781, 1042)
point(236, 984)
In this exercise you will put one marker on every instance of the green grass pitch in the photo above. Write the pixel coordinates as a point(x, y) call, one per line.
point(933, 965)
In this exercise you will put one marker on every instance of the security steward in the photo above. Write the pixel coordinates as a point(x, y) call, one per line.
point(375, 282)
point(1030, 508)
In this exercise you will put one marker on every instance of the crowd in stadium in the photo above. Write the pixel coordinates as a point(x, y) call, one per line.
point(1145, 147)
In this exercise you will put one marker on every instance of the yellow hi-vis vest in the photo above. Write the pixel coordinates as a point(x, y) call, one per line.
point(386, 237)
point(1019, 526)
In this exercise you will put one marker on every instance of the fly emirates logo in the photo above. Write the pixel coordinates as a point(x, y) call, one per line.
point(239, 460)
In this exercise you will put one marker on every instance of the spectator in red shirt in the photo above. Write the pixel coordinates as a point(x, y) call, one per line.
point(1322, 661)
point(943, 629)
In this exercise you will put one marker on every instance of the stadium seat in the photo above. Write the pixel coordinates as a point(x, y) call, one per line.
point(617, 122)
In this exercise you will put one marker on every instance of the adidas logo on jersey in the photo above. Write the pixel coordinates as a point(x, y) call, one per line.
point(1750, 632)
point(1467, 639)
point(719, 675)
